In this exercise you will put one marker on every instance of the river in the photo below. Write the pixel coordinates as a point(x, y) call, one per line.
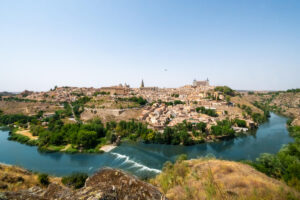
point(145, 160)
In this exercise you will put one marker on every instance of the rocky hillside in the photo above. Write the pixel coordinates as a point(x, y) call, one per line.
point(186, 179)
point(107, 184)
point(285, 103)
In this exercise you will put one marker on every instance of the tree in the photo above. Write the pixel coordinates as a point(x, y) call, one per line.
point(87, 139)
point(95, 125)
point(240, 123)
point(35, 130)
point(76, 180)
point(167, 135)
point(201, 126)
point(222, 128)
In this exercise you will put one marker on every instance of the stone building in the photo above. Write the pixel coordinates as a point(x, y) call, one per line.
point(200, 83)
point(116, 90)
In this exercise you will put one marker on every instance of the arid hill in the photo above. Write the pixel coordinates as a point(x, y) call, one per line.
point(285, 103)
point(193, 179)
point(217, 179)
point(107, 184)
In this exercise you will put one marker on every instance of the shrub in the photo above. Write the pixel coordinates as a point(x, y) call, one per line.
point(76, 180)
point(181, 157)
point(43, 179)
point(240, 123)
point(209, 112)
point(225, 90)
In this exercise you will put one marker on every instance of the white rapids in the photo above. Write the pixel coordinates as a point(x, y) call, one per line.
point(135, 164)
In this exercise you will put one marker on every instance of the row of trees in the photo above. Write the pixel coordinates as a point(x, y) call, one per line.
point(171, 103)
point(16, 118)
point(135, 99)
point(294, 90)
point(11, 98)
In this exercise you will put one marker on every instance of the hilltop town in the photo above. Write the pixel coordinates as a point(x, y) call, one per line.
point(158, 107)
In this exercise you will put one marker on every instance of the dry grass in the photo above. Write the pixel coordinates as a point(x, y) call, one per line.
point(26, 108)
point(14, 178)
point(245, 101)
point(26, 133)
point(107, 115)
point(216, 179)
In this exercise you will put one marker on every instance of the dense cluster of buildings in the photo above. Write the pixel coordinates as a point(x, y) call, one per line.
point(168, 106)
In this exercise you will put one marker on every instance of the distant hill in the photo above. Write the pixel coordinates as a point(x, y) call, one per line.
point(8, 93)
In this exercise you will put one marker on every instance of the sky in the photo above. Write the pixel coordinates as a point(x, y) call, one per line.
point(244, 44)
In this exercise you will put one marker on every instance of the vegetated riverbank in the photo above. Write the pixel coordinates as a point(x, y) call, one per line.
point(284, 165)
point(52, 134)
point(145, 160)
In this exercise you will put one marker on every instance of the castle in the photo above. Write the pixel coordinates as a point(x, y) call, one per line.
point(200, 83)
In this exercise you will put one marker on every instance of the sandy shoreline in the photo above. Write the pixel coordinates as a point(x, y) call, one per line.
point(107, 148)
point(27, 134)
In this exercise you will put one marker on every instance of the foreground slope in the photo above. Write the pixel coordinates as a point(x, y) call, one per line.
point(107, 184)
point(192, 179)
point(218, 179)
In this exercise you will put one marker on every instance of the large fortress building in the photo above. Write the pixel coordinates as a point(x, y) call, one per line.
point(200, 83)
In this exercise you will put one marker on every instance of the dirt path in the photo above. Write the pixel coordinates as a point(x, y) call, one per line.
point(27, 133)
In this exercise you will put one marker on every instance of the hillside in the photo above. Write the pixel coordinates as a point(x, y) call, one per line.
point(191, 179)
point(217, 179)
point(107, 184)
point(285, 103)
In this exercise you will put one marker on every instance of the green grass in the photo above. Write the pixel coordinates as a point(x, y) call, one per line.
point(71, 150)
point(55, 148)
point(22, 139)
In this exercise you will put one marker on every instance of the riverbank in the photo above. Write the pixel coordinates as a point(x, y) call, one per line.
point(24, 136)
point(143, 159)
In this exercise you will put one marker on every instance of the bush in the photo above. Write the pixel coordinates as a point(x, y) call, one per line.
point(43, 179)
point(181, 157)
point(240, 123)
point(173, 174)
point(222, 128)
point(225, 90)
point(76, 180)
point(209, 112)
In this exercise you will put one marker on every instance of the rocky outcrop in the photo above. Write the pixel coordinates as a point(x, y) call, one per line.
point(107, 184)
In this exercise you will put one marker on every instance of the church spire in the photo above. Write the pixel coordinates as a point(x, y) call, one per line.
point(142, 84)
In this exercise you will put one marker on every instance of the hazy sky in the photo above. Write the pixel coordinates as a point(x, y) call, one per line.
point(245, 44)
